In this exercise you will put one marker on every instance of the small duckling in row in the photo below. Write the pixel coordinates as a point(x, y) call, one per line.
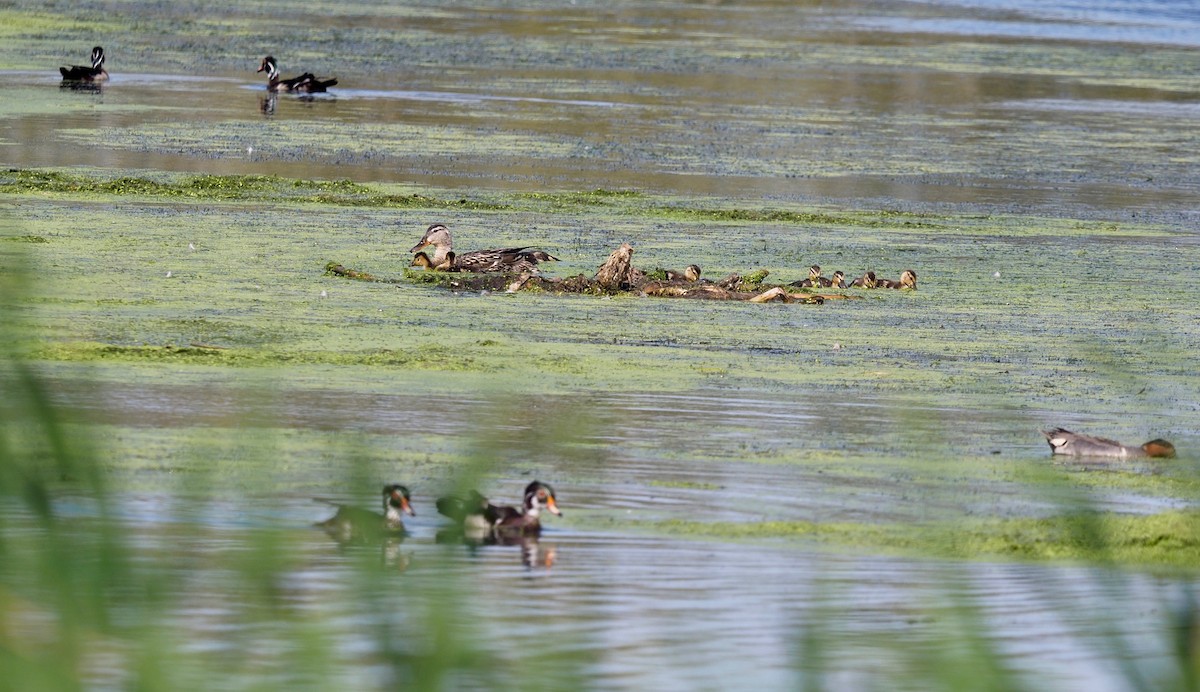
point(689, 273)
point(908, 279)
point(815, 280)
point(422, 260)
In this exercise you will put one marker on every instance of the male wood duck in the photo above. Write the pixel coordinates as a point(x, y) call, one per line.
point(908, 279)
point(865, 281)
point(1074, 444)
point(476, 514)
point(422, 260)
point(355, 525)
point(689, 273)
point(83, 73)
point(306, 83)
point(472, 513)
point(512, 260)
point(538, 496)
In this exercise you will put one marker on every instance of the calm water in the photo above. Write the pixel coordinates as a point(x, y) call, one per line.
point(962, 104)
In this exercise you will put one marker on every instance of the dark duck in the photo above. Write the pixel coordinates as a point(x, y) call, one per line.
point(356, 525)
point(306, 83)
point(84, 73)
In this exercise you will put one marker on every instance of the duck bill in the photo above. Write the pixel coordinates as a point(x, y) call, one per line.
point(552, 506)
point(420, 246)
point(404, 504)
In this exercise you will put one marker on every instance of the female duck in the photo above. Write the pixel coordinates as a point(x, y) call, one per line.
point(1074, 444)
point(512, 260)
point(306, 83)
point(83, 73)
point(354, 525)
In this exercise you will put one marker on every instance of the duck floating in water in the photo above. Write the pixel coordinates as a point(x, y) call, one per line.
point(908, 279)
point(83, 73)
point(306, 83)
point(865, 281)
point(513, 260)
point(475, 514)
point(355, 525)
point(1065, 442)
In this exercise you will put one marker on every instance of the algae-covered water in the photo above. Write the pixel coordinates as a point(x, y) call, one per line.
point(853, 494)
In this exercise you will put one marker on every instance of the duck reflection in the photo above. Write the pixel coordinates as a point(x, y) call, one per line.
point(267, 103)
point(533, 553)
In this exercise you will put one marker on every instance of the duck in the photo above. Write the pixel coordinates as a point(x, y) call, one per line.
point(526, 520)
point(472, 513)
point(1065, 442)
point(512, 260)
point(422, 260)
point(838, 280)
point(908, 279)
point(355, 525)
point(83, 73)
point(306, 83)
point(865, 281)
point(689, 273)
point(814, 279)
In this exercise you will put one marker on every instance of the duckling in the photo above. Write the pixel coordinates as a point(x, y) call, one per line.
point(814, 278)
point(908, 279)
point(422, 260)
point(355, 525)
point(838, 280)
point(689, 273)
point(538, 496)
point(511, 260)
point(83, 73)
point(1074, 444)
point(306, 83)
point(865, 281)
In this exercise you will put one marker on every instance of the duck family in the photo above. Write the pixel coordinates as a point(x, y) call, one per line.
point(510, 260)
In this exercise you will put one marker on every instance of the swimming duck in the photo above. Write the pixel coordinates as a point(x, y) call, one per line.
point(354, 525)
point(908, 279)
point(422, 260)
point(814, 279)
point(838, 280)
point(1074, 444)
point(865, 281)
point(538, 496)
point(83, 73)
point(689, 273)
point(513, 260)
point(473, 513)
point(306, 83)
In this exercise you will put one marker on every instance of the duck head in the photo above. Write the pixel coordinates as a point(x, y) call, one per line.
point(814, 272)
point(692, 272)
point(838, 280)
point(97, 57)
point(436, 235)
point(268, 65)
point(908, 279)
point(540, 496)
point(396, 500)
point(1159, 448)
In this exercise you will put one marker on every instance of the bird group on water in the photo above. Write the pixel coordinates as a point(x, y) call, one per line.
point(473, 517)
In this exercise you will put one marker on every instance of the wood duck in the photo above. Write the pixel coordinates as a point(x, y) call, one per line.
point(477, 515)
point(689, 273)
point(473, 513)
point(865, 281)
point(83, 73)
point(306, 83)
point(355, 525)
point(538, 496)
point(422, 260)
point(908, 279)
point(512, 260)
point(1074, 444)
